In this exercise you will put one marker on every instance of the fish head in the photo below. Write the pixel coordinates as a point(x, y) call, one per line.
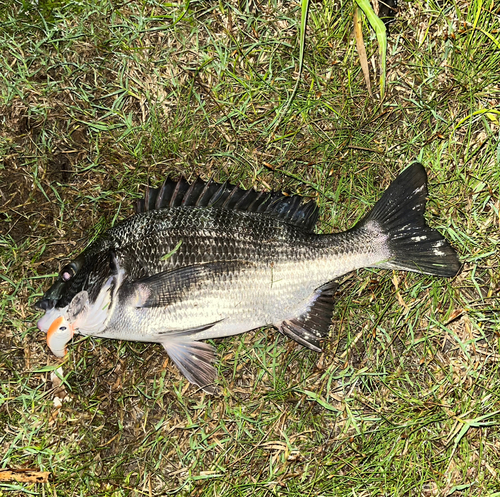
point(65, 302)
point(80, 300)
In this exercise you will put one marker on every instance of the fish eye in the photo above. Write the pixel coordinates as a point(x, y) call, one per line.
point(68, 271)
point(62, 328)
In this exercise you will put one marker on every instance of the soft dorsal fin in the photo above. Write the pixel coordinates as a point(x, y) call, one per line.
point(299, 211)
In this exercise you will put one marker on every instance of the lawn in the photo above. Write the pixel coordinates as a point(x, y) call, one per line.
point(100, 98)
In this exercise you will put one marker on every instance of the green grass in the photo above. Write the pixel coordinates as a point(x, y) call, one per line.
point(99, 98)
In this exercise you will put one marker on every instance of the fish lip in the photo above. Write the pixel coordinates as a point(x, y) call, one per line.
point(47, 319)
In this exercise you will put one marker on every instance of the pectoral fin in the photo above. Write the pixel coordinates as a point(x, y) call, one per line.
point(195, 360)
point(169, 287)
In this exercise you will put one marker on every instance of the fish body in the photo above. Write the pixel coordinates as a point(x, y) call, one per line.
point(206, 261)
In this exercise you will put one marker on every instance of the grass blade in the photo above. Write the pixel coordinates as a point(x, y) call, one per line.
point(302, 43)
point(379, 28)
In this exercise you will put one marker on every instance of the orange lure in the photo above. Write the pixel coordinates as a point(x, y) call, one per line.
point(59, 334)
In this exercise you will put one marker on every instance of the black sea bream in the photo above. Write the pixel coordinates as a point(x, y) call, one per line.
point(206, 261)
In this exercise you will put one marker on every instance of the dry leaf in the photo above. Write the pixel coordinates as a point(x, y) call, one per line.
point(360, 45)
point(24, 475)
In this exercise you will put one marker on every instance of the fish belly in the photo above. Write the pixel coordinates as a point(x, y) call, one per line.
point(227, 306)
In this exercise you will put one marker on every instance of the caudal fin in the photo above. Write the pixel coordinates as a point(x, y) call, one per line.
point(413, 245)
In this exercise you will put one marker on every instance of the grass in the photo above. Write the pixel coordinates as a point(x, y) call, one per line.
point(99, 98)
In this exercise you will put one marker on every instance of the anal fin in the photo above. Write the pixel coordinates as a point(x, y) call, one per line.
point(309, 328)
point(194, 359)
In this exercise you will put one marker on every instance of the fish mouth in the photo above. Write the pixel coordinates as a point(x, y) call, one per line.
point(48, 318)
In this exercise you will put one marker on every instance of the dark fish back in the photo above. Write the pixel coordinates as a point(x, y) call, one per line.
point(169, 238)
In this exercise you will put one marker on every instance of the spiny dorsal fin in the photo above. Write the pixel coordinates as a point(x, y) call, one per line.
point(299, 211)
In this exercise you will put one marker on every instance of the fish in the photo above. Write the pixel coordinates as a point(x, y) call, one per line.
point(205, 260)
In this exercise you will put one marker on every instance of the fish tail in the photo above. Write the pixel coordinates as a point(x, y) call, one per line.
point(413, 246)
